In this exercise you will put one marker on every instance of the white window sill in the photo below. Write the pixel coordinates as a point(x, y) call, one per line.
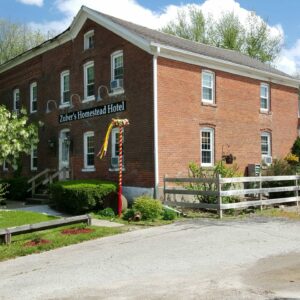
point(64, 105)
point(117, 92)
point(88, 170)
point(88, 99)
point(208, 103)
point(112, 169)
point(33, 169)
point(33, 112)
point(265, 111)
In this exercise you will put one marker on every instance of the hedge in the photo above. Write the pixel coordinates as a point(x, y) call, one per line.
point(17, 188)
point(79, 196)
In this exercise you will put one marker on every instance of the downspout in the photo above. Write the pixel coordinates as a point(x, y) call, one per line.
point(155, 96)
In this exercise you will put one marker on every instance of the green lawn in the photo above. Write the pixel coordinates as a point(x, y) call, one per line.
point(11, 218)
point(54, 236)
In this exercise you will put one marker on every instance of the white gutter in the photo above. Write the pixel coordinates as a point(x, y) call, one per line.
point(155, 96)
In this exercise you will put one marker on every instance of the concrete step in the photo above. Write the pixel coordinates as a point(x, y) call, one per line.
point(40, 196)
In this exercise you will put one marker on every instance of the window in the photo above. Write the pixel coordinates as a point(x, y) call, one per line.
point(208, 86)
point(89, 150)
point(16, 104)
point(115, 148)
point(89, 40)
point(33, 97)
point(207, 147)
point(65, 88)
point(264, 97)
point(117, 65)
point(33, 159)
point(265, 144)
point(89, 81)
point(5, 167)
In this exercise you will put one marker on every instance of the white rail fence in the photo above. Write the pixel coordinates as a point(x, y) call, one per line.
point(237, 187)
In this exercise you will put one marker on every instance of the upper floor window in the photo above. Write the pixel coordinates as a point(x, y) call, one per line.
point(16, 104)
point(89, 81)
point(208, 86)
point(264, 97)
point(89, 40)
point(117, 70)
point(207, 147)
point(33, 97)
point(89, 150)
point(65, 87)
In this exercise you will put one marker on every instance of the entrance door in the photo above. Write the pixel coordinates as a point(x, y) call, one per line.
point(64, 153)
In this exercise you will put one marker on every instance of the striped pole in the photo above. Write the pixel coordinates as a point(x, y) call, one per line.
point(120, 170)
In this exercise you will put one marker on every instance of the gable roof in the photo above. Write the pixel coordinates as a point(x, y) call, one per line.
point(162, 44)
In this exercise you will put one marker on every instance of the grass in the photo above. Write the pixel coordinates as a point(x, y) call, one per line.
point(56, 238)
point(278, 213)
point(11, 218)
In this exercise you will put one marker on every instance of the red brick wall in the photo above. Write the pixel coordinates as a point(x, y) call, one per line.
point(138, 85)
point(236, 117)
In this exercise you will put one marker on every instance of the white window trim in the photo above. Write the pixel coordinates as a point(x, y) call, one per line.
point(212, 101)
point(268, 97)
point(85, 148)
point(32, 168)
point(32, 85)
point(62, 75)
point(112, 67)
point(113, 143)
point(15, 92)
point(268, 135)
point(85, 67)
point(212, 141)
point(86, 37)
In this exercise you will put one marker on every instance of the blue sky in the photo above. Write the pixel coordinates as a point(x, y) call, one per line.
point(282, 16)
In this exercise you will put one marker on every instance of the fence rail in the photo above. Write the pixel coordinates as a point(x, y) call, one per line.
point(217, 190)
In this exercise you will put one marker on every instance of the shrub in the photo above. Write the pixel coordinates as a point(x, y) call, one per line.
point(129, 214)
point(3, 192)
point(150, 208)
point(296, 147)
point(169, 214)
point(107, 212)
point(292, 159)
point(17, 188)
point(196, 171)
point(79, 196)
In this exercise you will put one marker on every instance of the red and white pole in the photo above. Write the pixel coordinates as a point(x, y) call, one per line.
point(120, 170)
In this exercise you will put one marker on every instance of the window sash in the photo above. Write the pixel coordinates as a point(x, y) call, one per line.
point(33, 97)
point(33, 158)
point(265, 144)
point(89, 81)
point(208, 86)
point(89, 40)
point(117, 65)
point(207, 147)
point(16, 100)
point(65, 87)
point(89, 150)
point(264, 97)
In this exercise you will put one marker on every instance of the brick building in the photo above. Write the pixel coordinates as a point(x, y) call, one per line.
point(185, 102)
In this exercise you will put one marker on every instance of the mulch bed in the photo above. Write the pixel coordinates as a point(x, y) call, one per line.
point(77, 231)
point(34, 243)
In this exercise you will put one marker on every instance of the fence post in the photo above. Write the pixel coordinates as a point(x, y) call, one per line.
point(297, 193)
point(219, 190)
point(260, 194)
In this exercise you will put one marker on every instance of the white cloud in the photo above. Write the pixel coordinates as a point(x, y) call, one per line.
point(132, 11)
point(32, 2)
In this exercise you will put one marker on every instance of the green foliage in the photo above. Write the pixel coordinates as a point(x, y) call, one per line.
point(17, 136)
point(252, 37)
point(106, 212)
point(16, 38)
point(296, 147)
point(169, 214)
point(150, 208)
point(16, 188)
point(79, 196)
point(292, 159)
point(129, 214)
point(3, 192)
point(196, 171)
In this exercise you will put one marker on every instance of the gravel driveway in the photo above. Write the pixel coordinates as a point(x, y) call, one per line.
point(254, 258)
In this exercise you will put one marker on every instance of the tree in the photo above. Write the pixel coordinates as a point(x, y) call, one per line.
point(253, 38)
point(17, 38)
point(17, 136)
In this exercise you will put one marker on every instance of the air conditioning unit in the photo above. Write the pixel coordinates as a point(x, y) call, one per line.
point(116, 84)
point(267, 160)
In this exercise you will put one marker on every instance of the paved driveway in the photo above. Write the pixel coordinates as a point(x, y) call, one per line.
point(199, 259)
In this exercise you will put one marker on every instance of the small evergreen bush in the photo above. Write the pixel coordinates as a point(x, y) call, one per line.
point(150, 208)
point(107, 212)
point(79, 196)
point(169, 214)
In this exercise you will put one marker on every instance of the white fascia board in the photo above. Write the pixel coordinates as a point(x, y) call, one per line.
point(222, 65)
point(119, 30)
